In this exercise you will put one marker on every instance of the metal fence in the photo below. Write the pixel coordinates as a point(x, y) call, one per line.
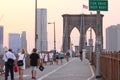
point(109, 65)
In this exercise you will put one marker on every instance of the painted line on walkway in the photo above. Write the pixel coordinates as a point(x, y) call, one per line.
point(54, 70)
point(93, 75)
point(23, 76)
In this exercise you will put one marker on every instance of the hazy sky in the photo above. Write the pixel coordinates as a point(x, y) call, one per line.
point(18, 15)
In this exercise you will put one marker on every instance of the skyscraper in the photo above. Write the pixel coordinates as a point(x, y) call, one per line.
point(14, 42)
point(42, 43)
point(113, 38)
point(23, 41)
point(1, 39)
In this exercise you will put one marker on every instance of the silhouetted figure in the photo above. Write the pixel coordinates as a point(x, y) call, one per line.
point(81, 55)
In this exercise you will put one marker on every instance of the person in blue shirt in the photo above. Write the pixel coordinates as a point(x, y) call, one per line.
point(61, 56)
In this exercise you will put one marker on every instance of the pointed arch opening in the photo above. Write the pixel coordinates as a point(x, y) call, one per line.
point(74, 37)
point(90, 34)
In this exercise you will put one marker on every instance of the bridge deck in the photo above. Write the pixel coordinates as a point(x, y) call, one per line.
point(72, 70)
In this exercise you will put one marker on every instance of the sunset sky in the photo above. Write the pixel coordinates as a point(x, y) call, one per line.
point(19, 15)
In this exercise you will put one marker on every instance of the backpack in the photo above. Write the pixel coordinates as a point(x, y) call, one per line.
point(10, 62)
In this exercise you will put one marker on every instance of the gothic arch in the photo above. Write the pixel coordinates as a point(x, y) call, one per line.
point(82, 22)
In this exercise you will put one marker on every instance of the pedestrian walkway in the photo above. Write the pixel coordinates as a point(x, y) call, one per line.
point(75, 69)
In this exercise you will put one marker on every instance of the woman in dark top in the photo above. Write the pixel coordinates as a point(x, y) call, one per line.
point(34, 62)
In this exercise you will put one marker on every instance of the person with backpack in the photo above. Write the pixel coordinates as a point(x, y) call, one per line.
point(9, 59)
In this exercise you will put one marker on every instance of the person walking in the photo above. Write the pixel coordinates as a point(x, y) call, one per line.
point(51, 56)
point(61, 56)
point(41, 54)
point(81, 54)
point(46, 58)
point(21, 56)
point(67, 56)
point(34, 62)
point(9, 59)
point(56, 57)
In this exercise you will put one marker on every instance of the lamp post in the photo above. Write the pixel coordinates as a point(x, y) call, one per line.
point(54, 34)
point(36, 35)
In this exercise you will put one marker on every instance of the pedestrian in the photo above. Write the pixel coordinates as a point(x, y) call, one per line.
point(56, 57)
point(51, 56)
point(9, 59)
point(61, 56)
point(81, 55)
point(67, 56)
point(46, 58)
point(41, 54)
point(21, 56)
point(34, 62)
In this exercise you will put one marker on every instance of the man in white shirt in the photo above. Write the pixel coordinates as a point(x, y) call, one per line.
point(9, 67)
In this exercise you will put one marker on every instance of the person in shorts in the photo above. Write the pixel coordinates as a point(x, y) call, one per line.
point(57, 57)
point(41, 54)
point(61, 56)
point(34, 62)
point(21, 56)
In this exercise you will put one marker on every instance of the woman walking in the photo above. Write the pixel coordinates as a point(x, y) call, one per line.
point(21, 56)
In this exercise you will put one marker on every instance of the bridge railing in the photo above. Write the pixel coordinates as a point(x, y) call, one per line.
point(109, 65)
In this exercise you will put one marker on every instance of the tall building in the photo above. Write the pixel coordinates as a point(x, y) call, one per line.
point(1, 39)
point(113, 38)
point(42, 43)
point(23, 41)
point(14, 42)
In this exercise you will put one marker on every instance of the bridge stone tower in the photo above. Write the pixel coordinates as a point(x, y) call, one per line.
point(82, 22)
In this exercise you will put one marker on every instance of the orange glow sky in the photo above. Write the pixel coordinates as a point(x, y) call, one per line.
point(18, 16)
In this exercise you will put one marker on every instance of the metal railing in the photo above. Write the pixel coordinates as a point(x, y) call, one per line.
point(109, 65)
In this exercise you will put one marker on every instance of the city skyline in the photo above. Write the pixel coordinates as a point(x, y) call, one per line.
point(19, 15)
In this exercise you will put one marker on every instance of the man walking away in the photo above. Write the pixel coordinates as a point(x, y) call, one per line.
point(9, 59)
point(34, 62)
